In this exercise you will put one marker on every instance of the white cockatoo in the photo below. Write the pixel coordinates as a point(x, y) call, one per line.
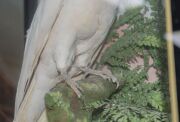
point(64, 38)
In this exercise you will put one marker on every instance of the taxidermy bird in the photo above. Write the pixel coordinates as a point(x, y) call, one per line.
point(63, 40)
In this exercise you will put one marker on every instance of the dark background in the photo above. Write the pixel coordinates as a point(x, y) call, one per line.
point(176, 26)
point(29, 8)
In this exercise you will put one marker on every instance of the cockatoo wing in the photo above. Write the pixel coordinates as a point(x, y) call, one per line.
point(37, 37)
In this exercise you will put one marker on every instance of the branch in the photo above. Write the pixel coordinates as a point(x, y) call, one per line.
point(62, 104)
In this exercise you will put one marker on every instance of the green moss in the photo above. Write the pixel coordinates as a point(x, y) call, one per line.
point(62, 104)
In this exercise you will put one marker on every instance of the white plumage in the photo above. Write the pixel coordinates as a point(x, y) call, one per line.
point(63, 33)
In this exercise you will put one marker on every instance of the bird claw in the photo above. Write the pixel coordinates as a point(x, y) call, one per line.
point(105, 75)
point(76, 88)
point(110, 77)
point(73, 84)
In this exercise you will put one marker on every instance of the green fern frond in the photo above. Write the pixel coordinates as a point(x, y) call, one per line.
point(137, 101)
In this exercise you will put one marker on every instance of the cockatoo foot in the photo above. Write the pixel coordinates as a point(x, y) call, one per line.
point(72, 83)
point(107, 75)
point(75, 86)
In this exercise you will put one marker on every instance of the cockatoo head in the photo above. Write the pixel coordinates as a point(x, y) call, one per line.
point(124, 5)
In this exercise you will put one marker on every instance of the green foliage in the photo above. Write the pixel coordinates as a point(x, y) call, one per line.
point(54, 100)
point(137, 101)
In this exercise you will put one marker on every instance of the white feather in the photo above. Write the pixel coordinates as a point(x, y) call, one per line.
point(37, 36)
